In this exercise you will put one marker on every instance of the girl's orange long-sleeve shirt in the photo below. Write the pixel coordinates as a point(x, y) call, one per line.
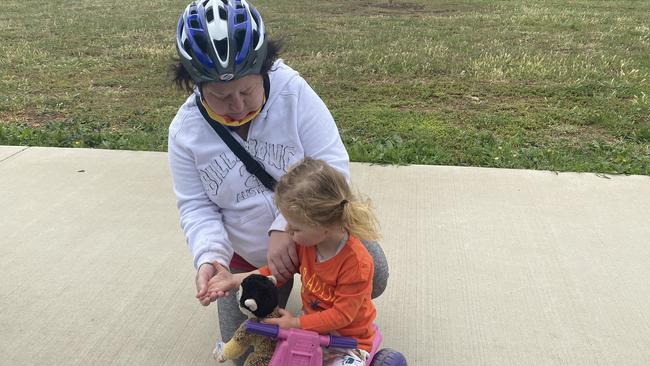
point(336, 293)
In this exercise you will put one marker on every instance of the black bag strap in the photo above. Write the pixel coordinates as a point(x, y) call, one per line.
point(253, 166)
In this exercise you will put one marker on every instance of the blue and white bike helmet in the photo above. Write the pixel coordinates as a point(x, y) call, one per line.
point(221, 40)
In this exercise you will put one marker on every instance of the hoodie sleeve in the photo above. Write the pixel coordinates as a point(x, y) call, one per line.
point(318, 132)
point(200, 218)
point(279, 224)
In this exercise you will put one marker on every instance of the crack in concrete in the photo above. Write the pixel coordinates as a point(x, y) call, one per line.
point(2, 160)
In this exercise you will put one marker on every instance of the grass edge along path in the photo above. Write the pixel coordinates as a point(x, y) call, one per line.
point(555, 85)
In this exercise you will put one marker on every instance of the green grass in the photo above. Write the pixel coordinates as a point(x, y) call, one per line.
point(559, 85)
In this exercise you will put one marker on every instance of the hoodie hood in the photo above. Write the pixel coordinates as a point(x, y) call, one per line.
point(279, 76)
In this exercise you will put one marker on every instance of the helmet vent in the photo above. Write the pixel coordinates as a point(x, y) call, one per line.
point(187, 47)
point(200, 41)
point(194, 23)
point(209, 15)
point(239, 37)
point(222, 48)
point(222, 14)
point(205, 2)
point(256, 38)
point(240, 18)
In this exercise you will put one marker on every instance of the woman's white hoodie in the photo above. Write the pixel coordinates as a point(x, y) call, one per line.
point(223, 208)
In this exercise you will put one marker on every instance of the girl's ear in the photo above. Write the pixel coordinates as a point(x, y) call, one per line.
point(273, 279)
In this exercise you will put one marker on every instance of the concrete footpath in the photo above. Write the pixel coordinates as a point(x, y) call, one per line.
point(488, 266)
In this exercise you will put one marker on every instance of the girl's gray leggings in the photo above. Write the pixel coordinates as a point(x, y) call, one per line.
point(230, 317)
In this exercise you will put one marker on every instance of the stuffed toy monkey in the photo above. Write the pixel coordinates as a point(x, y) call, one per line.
point(258, 299)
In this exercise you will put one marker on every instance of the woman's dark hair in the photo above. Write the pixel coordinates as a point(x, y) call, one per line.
point(183, 81)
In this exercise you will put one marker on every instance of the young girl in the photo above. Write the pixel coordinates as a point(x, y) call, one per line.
point(326, 221)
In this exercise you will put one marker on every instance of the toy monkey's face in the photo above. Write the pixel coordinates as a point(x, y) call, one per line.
point(257, 296)
point(245, 309)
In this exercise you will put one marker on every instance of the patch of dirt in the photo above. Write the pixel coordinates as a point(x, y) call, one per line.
point(578, 135)
point(31, 118)
point(397, 7)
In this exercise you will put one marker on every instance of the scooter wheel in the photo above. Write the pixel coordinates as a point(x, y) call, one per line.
point(388, 357)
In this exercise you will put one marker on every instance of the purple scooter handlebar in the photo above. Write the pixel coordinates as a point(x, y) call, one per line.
point(342, 342)
point(263, 329)
point(274, 331)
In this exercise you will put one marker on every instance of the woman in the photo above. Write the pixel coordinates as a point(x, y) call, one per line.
point(227, 214)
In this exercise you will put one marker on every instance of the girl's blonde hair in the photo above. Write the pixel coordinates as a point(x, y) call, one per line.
point(314, 193)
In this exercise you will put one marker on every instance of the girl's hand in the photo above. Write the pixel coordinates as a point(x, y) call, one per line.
point(286, 320)
point(282, 257)
point(222, 282)
point(203, 275)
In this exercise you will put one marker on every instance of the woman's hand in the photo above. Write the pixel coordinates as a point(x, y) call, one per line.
point(282, 257)
point(286, 320)
point(222, 282)
point(205, 272)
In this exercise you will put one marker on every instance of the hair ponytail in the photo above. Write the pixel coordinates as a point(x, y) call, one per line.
point(360, 220)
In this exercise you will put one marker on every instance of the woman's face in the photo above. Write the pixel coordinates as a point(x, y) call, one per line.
point(235, 99)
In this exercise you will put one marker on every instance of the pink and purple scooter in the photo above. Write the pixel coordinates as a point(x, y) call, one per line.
point(297, 347)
